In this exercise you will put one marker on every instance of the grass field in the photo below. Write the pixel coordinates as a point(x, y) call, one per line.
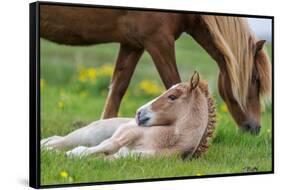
point(74, 85)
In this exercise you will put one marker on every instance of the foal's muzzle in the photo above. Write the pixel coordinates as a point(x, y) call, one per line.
point(142, 117)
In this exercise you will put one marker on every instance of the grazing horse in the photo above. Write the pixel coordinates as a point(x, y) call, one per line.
point(245, 70)
point(183, 120)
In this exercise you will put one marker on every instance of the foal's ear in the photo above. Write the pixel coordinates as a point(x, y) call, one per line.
point(194, 81)
point(259, 45)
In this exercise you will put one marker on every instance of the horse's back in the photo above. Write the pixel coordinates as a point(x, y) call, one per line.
point(89, 25)
point(79, 25)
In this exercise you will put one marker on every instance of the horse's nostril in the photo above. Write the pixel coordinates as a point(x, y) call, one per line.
point(138, 114)
point(251, 127)
point(256, 130)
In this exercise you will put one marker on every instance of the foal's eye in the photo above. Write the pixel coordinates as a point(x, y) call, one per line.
point(172, 97)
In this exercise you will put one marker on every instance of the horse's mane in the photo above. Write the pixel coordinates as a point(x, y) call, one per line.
point(204, 142)
point(233, 37)
point(264, 71)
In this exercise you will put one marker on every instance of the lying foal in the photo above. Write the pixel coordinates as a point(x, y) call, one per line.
point(179, 121)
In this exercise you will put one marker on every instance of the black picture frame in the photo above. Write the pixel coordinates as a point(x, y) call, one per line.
point(34, 97)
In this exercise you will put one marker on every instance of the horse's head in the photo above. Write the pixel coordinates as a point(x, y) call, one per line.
point(248, 114)
point(173, 104)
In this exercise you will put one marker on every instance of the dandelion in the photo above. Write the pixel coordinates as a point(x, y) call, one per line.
point(64, 174)
point(105, 70)
point(82, 75)
point(199, 174)
point(150, 88)
point(61, 104)
point(223, 108)
point(92, 74)
point(87, 74)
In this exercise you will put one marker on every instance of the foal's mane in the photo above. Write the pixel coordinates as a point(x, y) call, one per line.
point(234, 39)
point(204, 142)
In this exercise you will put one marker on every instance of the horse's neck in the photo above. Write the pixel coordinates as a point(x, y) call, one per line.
point(195, 118)
point(202, 36)
point(190, 129)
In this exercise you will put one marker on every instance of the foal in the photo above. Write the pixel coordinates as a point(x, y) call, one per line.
point(180, 121)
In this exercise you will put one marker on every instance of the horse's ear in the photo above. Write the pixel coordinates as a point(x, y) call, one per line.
point(259, 45)
point(194, 81)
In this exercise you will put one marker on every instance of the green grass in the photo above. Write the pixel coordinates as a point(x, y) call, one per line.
point(67, 104)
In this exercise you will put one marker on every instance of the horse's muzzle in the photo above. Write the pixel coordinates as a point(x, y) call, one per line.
point(142, 118)
point(251, 127)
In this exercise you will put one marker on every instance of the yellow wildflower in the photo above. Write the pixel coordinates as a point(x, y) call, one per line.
point(199, 174)
point(92, 74)
point(268, 131)
point(61, 104)
point(150, 88)
point(64, 174)
point(87, 74)
point(82, 75)
point(223, 108)
point(105, 70)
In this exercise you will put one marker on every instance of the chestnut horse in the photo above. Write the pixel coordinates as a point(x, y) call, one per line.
point(245, 70)
point(183, 119)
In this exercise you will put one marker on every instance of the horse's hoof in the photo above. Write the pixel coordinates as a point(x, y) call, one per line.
point(77, 152)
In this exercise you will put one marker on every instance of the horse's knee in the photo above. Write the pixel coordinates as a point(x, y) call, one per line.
point(117, 91)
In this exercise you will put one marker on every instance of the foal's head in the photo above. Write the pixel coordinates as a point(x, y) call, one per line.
point(173, 104)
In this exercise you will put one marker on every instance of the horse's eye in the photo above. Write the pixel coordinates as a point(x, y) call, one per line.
point(172, 97)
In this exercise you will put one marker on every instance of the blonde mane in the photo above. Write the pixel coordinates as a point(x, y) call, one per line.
point(234, 39)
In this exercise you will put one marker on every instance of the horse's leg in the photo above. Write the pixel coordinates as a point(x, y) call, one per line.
point(125, 66)
point(46, 140)
point(162, 51)
point(124, 136)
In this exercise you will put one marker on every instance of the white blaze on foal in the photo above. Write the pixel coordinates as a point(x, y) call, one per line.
point(180, 121)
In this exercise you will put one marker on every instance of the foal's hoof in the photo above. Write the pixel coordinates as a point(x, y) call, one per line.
point(77, 152)
point(253, 129)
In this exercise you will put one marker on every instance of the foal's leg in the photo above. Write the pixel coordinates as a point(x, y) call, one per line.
point(53, 142)
point(122, 137)
point(46, 141)
point(108, 146)
point(125, 66)
point(162, 50)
